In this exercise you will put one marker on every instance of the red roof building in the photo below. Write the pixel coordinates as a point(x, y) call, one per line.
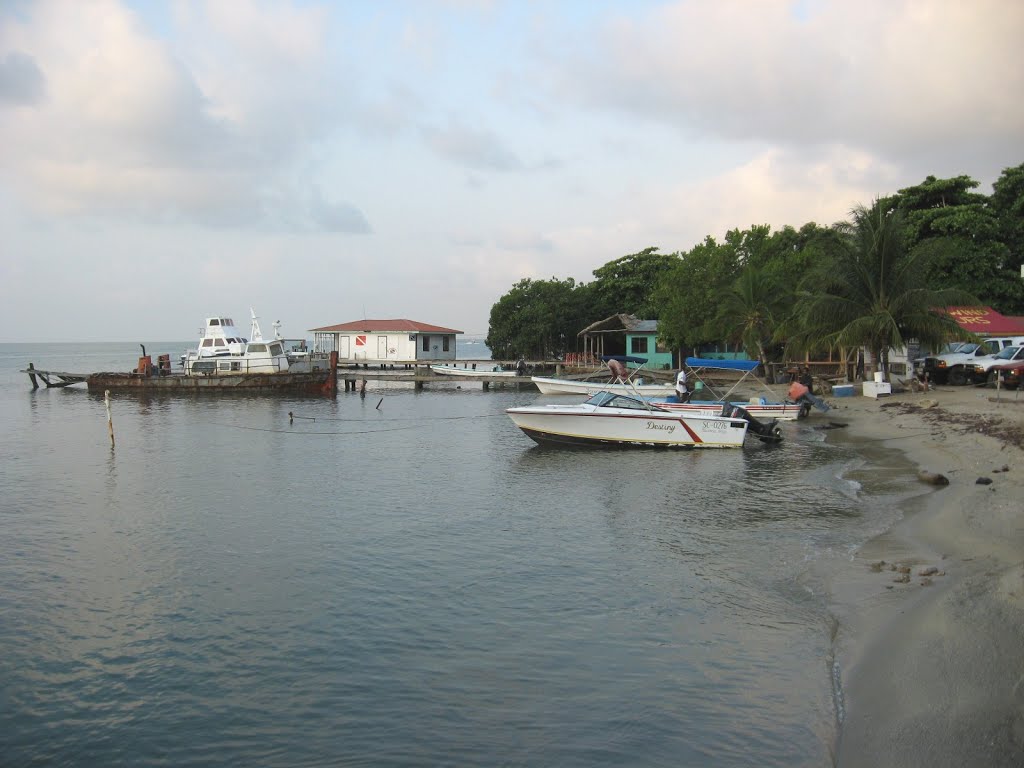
point(386, 342)
point(985, 321)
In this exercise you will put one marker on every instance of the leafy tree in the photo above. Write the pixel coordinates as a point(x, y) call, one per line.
point(687, 296)
point(961, 231)
point(538, 319)
point(874, 292)
point(1007, 205)
point(627, 283)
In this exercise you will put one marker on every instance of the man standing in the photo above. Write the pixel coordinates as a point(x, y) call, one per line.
point(682, 391)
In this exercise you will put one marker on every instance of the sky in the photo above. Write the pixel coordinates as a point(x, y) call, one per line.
point(324, 162)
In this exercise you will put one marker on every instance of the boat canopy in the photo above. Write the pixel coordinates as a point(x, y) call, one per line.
point(730, 365)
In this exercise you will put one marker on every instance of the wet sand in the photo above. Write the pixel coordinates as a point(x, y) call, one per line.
point(929, 647)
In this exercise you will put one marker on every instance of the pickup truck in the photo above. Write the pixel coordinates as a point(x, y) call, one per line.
point(983, 365)
point(958, 367)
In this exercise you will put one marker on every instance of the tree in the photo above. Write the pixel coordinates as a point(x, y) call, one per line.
point(750, 310)
point(538, 319)
point(627, 283)
point(961, 230)
point(687, 296)
point(874, 292)
point(1007, 205)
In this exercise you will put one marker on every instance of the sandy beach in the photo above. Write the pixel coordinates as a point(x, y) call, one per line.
point(929, 646)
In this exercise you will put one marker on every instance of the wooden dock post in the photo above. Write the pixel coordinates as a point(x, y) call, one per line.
point(110, 421)
point(31, 375)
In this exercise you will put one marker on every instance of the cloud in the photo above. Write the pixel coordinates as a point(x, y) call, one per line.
point(477, 149)
point(204, 130)
point(21, 81)
point(895, 77)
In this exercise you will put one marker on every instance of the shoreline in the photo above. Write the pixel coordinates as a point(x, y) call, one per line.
point(930, 668)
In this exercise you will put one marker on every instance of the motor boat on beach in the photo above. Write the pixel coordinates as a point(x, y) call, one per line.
point(610, 418)
point(618, 378)
point(700, 369)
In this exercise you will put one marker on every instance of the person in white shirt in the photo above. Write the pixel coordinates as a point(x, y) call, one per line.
point(682, 391)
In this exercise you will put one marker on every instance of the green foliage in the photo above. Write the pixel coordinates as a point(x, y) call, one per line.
point(688, 295)
point(538, 319)
point(961, 232)
point(749, 311)
point(627, 283)
point(873, 293)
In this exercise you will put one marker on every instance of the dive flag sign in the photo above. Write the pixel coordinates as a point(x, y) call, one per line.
point(360, 341)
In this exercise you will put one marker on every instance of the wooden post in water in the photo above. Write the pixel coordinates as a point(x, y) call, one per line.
point(31, 375)
point(110, 421)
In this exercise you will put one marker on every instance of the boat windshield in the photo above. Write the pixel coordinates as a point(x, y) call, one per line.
point(612, 400)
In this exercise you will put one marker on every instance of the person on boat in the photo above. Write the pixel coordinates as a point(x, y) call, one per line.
point(618, 370)
point(682, 390)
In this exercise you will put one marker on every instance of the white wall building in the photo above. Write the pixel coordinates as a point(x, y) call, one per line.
point(381, 342)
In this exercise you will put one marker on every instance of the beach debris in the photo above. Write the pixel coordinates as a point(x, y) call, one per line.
point(926, 582)
point(931, 570)
point(1004, 468)
point(904, 579)
point(983, 481)
point(927, 403)
point(905, 569)
point(932, 478)
point(876, 567)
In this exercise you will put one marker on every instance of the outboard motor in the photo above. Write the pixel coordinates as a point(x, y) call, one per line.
point(765, 431)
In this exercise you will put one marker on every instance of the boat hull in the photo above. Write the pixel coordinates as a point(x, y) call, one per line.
point(549, 386)
point(311, 382)
point(451, 370)
point(562, 426)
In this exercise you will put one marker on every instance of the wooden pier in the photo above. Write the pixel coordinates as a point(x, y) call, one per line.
point(54, 378)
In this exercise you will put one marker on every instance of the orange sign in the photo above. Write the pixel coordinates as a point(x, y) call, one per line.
point(360, 341)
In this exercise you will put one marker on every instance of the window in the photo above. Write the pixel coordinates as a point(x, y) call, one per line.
point(276, 349)
point(445, 342)
point(207, 342)
point(638, 344)
point(214, 321)
point(257, 347)
point(426, 343)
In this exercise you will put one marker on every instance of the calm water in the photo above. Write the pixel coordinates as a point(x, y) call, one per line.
point(406, 580)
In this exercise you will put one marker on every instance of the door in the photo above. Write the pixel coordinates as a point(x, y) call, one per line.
point(382, 347)
point(344, 353)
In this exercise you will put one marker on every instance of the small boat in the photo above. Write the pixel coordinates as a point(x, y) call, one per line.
point(759, 407)
point(609, 418)
point(486, 372)
point(621, 381)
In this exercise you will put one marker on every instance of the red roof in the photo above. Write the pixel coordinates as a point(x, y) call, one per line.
point(986, 321)
point(386, 326)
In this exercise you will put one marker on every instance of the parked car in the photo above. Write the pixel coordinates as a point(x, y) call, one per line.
point(1008, 373)
point(958, 367)
point(983, 365)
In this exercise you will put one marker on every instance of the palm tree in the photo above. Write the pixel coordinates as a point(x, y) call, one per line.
point(749, 311)
point(874, 293)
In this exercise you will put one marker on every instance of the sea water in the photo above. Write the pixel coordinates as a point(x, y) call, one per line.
point(404, 578)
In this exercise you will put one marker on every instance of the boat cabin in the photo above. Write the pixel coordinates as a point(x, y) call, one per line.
point(220, 337)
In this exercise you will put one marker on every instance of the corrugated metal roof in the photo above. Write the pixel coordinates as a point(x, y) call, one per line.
point(646, 326)
point(376, 326)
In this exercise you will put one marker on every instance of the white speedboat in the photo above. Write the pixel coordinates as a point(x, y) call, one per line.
point(608, 418)
point(485, 372)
